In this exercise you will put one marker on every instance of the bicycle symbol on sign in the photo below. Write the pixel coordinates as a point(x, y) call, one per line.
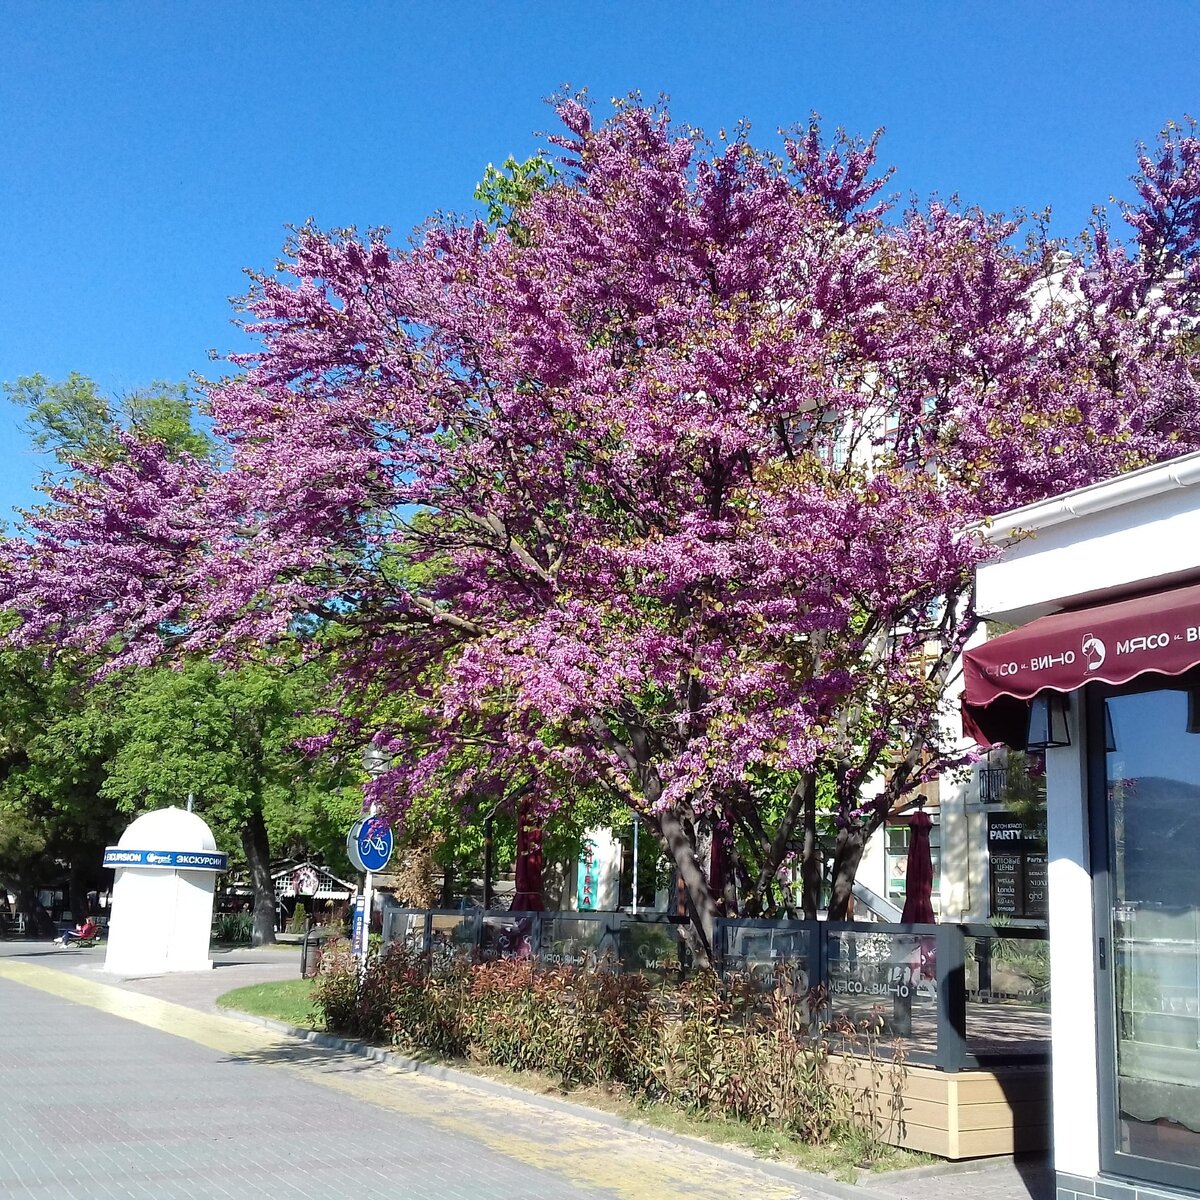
point(374, 841)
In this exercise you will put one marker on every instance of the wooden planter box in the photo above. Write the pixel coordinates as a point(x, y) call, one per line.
point(961, 1114)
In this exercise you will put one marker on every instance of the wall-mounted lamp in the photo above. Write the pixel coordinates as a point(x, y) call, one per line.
point(1047, 722)
point(376, 760)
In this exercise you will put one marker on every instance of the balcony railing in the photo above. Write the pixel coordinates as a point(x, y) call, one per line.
point(993, 783)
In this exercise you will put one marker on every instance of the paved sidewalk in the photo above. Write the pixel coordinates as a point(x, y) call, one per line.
point(987, 1179)
point(195, 989)
point(108, 1092)
point(579, 1155)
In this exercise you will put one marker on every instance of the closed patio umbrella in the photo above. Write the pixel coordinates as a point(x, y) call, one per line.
point(918, 879)
point(918, 888)
point(528, 894)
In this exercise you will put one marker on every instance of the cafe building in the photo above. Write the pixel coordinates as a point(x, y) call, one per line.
point(1094, 662)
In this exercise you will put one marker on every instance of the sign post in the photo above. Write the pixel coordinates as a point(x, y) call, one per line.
point(369, 847)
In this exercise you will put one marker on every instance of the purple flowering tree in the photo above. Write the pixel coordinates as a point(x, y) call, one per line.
point(660, 488)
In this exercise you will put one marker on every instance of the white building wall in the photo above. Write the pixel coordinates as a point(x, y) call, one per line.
point(161, 921)
point(872, 871)
point(1139, 531)
point(958, 864)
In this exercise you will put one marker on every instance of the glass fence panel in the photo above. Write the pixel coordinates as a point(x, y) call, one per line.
point(882, 984)
point(452, 934)
point(654, 949)
point(506, 935)
point(575, 941)
point(878, 982)
point(770, 955)
point(1008, 996)
point(406, 926)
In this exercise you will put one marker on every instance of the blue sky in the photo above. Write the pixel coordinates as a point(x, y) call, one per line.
point(151, 151)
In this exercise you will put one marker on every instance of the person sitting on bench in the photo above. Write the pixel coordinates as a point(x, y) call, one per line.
point(81, 933)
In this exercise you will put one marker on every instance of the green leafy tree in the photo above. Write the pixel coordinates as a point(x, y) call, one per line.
point(56, 733)
point(505, 193)
point(228, 738)
point(78, 754)
point(75, 423)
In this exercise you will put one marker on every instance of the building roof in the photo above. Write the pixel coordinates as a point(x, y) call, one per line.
point(310, 879)
point(1181, 472)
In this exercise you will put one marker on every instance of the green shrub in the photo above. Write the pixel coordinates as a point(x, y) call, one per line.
point(335, 992)
point(234, 928)
point(397, 999)
point(298, 921)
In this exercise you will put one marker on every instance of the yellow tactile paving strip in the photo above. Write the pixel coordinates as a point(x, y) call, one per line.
point(588, 1154)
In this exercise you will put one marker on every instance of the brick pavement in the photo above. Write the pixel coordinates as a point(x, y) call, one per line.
point(196, 989)
point(105, 1092)
point(460, 1127)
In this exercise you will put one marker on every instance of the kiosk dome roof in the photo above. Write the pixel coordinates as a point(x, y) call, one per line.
point(168, 829)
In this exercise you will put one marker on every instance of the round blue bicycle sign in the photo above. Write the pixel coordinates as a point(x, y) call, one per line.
point(369, 844)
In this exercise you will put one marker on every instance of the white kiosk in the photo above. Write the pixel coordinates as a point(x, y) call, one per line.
point(167, 863)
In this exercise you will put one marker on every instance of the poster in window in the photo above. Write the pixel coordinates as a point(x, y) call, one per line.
point(1017, 867)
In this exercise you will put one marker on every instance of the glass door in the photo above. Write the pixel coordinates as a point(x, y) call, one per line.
point(1148, 838)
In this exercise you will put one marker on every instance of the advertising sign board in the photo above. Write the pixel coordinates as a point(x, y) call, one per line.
point(167, 860)
point(1017, 866)
point(359, 931)
point(589, 878)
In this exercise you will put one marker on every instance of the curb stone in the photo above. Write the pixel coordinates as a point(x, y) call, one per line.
point(819, 1187)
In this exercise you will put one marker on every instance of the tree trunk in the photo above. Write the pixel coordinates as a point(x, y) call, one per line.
point(810, 863)
point(701, 901)
point(38, 922)
point(77, 890)
point(847, 854)
point(257, 848)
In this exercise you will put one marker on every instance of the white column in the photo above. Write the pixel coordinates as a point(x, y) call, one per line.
point(1072, 951)
point(957, 859)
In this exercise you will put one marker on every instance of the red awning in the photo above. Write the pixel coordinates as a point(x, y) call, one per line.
point(1111, 642)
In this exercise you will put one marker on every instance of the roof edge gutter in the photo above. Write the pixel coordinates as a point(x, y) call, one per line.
point(1097, 497)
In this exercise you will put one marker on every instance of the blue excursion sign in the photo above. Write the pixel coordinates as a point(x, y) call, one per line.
point(369, 844)
point(172, 860)
point(358, 935)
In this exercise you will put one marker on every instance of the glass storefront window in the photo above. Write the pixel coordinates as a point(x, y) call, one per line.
point(1153, 823)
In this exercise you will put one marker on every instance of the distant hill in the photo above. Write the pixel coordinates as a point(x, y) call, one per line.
point(1161, 822)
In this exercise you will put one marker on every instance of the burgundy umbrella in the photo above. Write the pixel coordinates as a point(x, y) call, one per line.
point(528, 894)
point(918, 879)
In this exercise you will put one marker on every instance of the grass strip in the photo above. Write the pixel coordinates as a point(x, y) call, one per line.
point(287, 1000)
